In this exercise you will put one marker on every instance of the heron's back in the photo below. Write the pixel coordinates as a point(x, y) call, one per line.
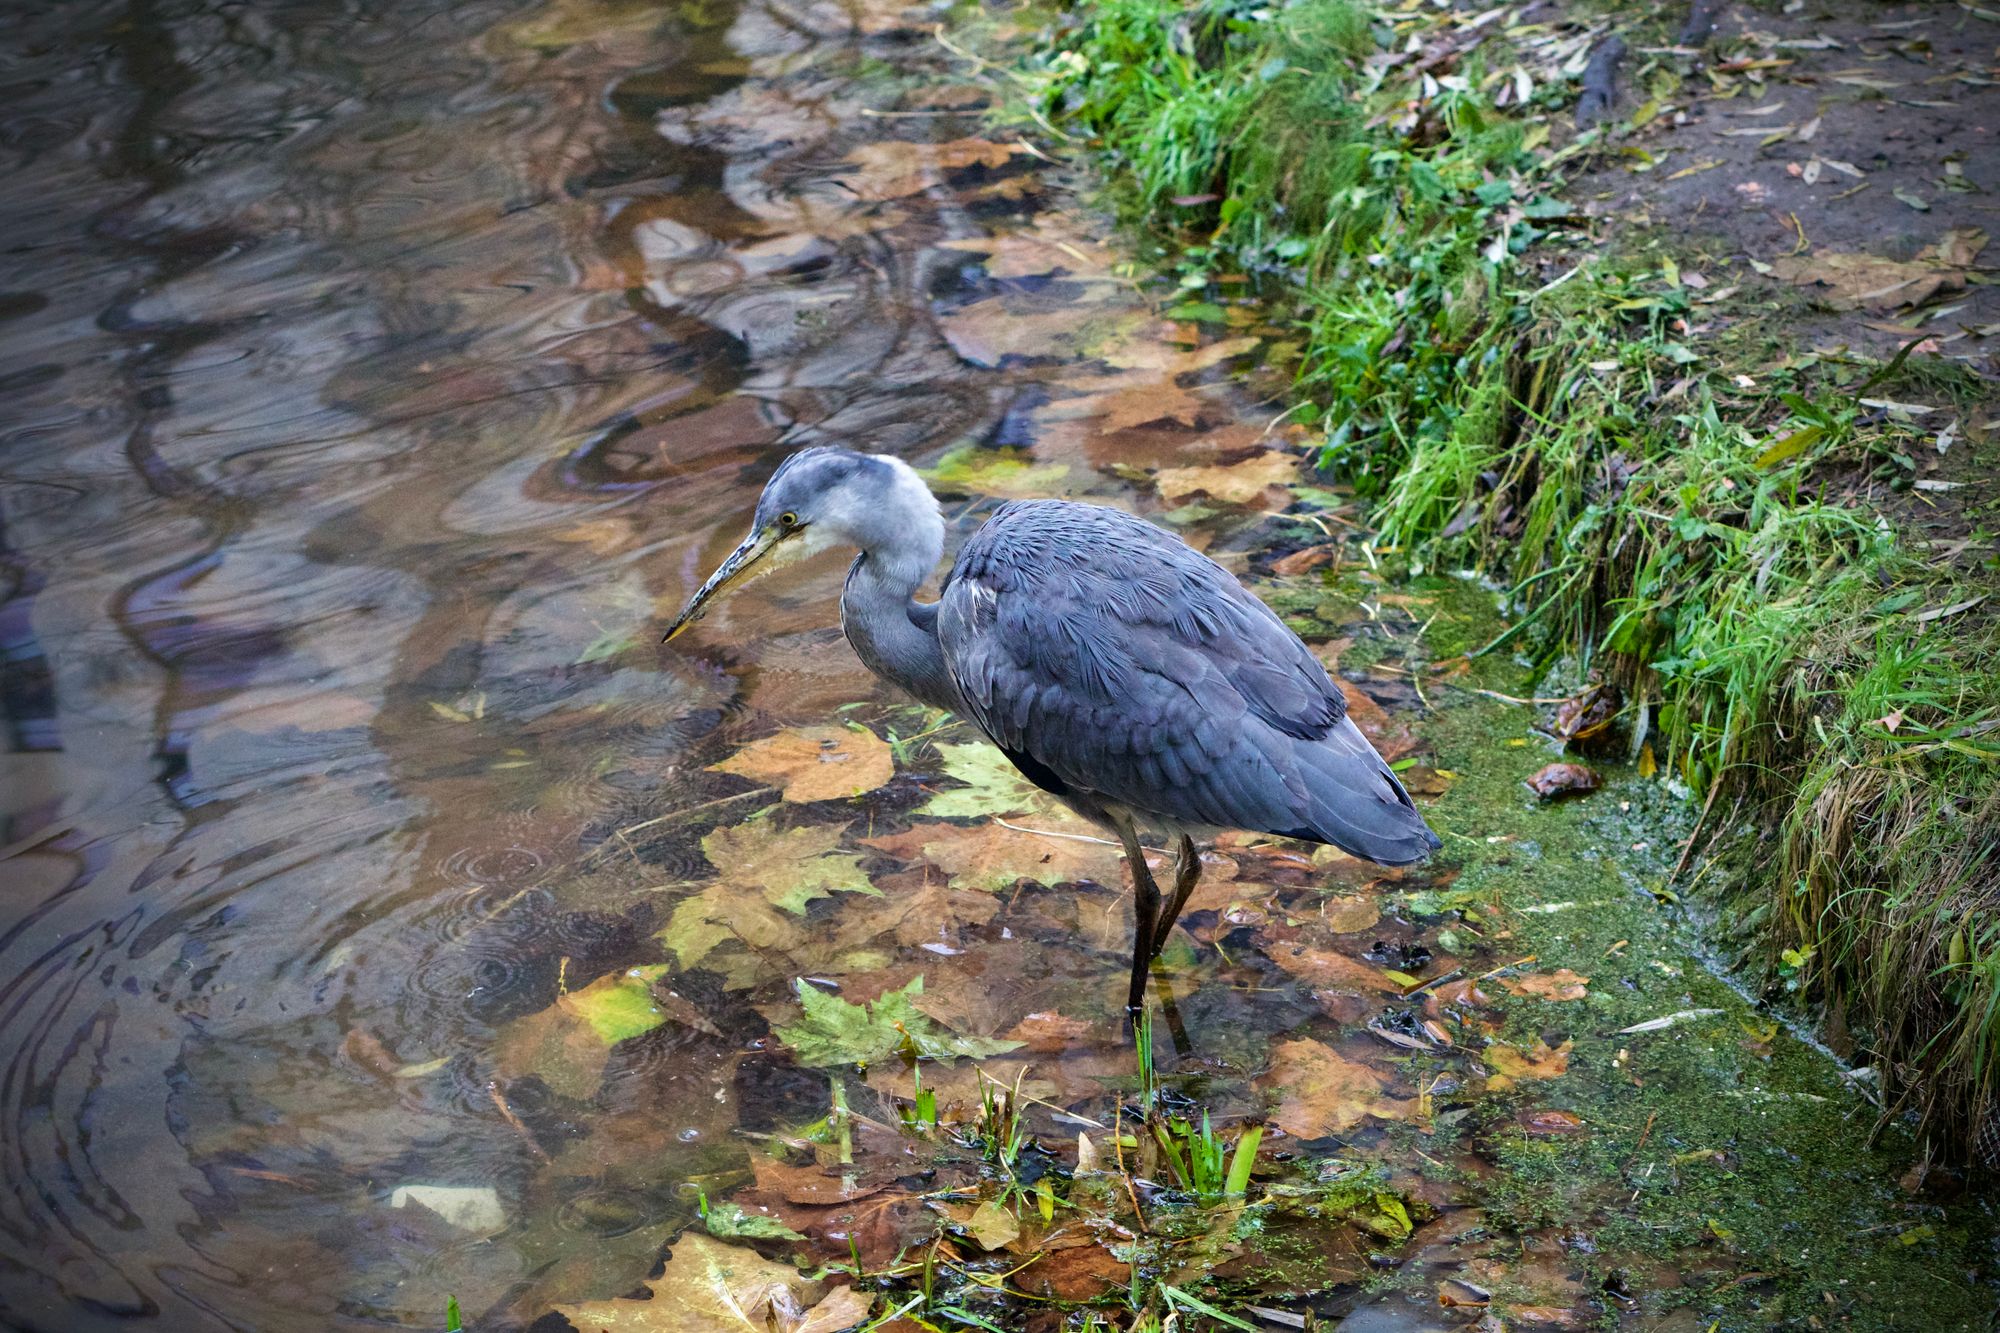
point(1119, 666)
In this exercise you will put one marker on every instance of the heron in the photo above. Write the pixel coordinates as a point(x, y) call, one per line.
point(1119, 669)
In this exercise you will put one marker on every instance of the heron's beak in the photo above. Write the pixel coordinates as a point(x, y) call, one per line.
point(753, 548)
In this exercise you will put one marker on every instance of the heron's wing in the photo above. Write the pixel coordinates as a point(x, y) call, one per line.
point(1108, 657)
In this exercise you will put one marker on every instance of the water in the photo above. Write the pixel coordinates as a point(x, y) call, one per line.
point(378, 379)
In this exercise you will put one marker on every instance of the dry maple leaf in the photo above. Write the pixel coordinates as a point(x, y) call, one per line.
point(1234, 483)
point(1321, 1092)
point(815, 763)
point(992, 857)
point(1538, 1061)
point(1561, 984)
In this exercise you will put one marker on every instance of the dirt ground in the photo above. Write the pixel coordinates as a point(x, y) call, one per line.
point(1837, 165)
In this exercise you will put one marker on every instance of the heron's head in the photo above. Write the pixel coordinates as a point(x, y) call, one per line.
point(825, 497)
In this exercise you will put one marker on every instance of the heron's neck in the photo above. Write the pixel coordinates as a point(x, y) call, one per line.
point(893, 633)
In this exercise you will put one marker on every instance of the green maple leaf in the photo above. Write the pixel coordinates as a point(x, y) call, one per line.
point(790, 869)
point(993, 786)
point(834, 1032)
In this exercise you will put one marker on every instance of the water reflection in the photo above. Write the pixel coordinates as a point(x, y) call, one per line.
point(373, 374)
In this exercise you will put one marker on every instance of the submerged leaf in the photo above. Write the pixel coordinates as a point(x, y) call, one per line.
point(1235, 483)
point(993, 857)
point(815, 763)
point(834, 1032)
point(708, 1287)
point(728, 1219)
point(1009, 473)
point(789, 869)
point(993, 786)
point(1322, 1092)
point(618, 1006)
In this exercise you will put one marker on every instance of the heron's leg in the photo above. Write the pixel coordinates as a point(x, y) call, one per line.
point(1187, 872)
point(1145, 912)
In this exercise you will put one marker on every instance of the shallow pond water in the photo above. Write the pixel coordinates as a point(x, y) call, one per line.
point(389, 916)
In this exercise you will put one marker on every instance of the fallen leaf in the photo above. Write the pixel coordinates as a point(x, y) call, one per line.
point(1330, 969)
point(993, 1225)
point(894, 168)
point(815, 763)
point(1537, 1061)
point(708, 1287)
point(721, 912)
point(1048, 1032)
point(619, 1005)
point(833, 1032)
point(1958, 248)
point(1305, 561)
point(1321, 1092)
point(789, 868)
point(1347, 913)
point(994, 857)
point(973, 469)
point(1556, 780)
point(1234, 483)
point(729, 1220)
point(1077, 1273)
point(566, 1053)
point(1862, 281)
point(810, 1185)
point(1545, 1123)
point(1561, 984)
point(843, 1308)
point(993, 786)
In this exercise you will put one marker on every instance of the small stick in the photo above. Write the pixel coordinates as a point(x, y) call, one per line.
point(507, 1114)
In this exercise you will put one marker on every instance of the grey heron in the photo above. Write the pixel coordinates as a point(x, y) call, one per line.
point(1120, 670)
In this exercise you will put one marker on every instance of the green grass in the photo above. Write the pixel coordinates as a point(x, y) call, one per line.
point(1661, 523)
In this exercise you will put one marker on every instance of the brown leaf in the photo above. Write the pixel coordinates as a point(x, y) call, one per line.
point(811, 1185)
point(1556, 780)
point(815, 763)
point(993, 857)
point(1235, 483)
point(1326, 968)
point(1048, 247)
point(1078, 1273)
point(1549, 1121)
point(1861, 281)
point(1347, 913)
point(1049, 1032)
point(1321, 1092)
point(843, 1308)
point(553, 1043)
point(708, 1287)
point(987, 332)
point(1391, 739)
point(892, 168)
point(1957, 248)
point(1149, 400)
point(1538, 1061)
point(1304, 562)
point(1561, 984)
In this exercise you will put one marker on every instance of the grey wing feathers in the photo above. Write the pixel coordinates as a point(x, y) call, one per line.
point(1125, 665)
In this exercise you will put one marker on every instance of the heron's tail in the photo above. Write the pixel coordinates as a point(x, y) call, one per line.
point(1357, 804)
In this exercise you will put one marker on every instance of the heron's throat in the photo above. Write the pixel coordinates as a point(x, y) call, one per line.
point(894, 634)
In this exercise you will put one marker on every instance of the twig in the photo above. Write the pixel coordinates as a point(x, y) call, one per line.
point(1118, 1150)
point(1714, 790)
point(507, 1114)
point(1051, 833)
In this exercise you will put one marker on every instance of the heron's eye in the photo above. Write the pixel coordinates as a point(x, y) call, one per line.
point(788, 519)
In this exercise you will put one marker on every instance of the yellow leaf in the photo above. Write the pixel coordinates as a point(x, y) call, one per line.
point(1321, 1092)
point(815, 763)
